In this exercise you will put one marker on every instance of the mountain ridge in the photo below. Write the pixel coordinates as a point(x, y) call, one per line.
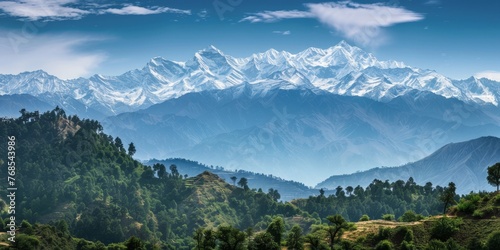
point(285, 132)
point(464, 163)
point(341, 69)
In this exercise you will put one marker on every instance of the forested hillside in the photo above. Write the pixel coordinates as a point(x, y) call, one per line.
point(69, 170)
point(379, 198)
point(78, 188)
point(288, 190)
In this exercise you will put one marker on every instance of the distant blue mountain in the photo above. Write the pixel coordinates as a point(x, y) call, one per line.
point(300, 134)
point(463, 163)
point(10, 105)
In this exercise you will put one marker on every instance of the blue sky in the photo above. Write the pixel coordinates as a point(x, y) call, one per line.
point(73, 38)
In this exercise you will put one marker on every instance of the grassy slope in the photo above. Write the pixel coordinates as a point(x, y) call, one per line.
point(211, 196)
point(472, 227)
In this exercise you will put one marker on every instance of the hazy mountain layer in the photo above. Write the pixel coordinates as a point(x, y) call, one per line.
point(463, 163)
point(298, 134)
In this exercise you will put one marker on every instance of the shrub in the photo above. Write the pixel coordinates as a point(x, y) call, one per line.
point(483, 212)
point(444, 228)
point(361, 240)
point(466, 207)
point(469, 203)
point(351, 226)
point(388, 217)
point(496, 199)
point(26, 227)
point(405, 245)
point(478, 214)
point(489, 209)
point(409, 236)
point(383, 233)
point(410, 216)
point(400, 233)
point(27, 242)
point(263, 241)
point(345, 244)
point(435, 245)
point(384, 245)
point(493, 241)
point(451, 244)
point(475, 244)
point(364, 217)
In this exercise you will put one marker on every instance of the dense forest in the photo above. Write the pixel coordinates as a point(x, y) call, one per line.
point(78, 188)
point(69, 170)
point(379, 198)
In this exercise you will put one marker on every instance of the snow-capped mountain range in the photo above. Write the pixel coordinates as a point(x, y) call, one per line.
point(334, 110)
point(342, 69)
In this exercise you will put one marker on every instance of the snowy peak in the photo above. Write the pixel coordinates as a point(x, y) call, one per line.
point(209, 60)
point(271, 57)
point(34, 83)
point(311, 53)
point(209, 53)
point(213, 49)
point(341, 69)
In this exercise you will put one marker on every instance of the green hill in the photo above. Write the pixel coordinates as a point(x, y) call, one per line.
point(78, 188)
point(460, 229)
point(69, 170)
point(288, 190)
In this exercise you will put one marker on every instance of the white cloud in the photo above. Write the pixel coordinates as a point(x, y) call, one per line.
point(59, 56)
point(492, 75)
point(273, 16)
point(361, 23)
point(49, 10)
point(203, 14)
point(285, 33)
point(42, 9)
point(137, 10)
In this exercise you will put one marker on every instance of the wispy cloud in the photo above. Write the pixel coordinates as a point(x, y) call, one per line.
point(202, 14)
point(137, 10)
point(285, 32)
point(39, 9)
point(433, 2)
point(361, 23)
point(273, 16)
point(492, 75)
point(60, 55)
point(50, 10)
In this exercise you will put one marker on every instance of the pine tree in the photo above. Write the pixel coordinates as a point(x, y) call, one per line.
point(494, 175)
point(131, 149)
point(448, 196)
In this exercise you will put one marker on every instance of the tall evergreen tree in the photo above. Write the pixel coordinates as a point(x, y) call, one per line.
point(119, 144)
point(276, 229)
point(337, 224)
point(494, 175)
point(243, 182)
point(234, 178)
point(295, 240)
point(230, 238)
point(262, 241)
point(131, 149)
point(448, 196)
